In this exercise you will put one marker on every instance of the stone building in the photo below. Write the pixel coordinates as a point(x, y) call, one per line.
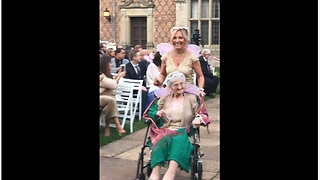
point(148, 22)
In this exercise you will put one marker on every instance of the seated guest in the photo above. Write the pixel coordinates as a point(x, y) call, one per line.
point(110, 52)
point(211, 81)
point(153, 72)
point(138, 47)
point(102, 49)
point(172, 125)
point(118, 59)
point(143, 53)
point(136, 69)
point(107, 100)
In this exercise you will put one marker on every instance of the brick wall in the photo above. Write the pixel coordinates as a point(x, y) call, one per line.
point(164, 19)
point(106, 27)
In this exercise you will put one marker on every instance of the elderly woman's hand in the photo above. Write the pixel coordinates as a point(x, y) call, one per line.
point(161, 113)
point(196, 122)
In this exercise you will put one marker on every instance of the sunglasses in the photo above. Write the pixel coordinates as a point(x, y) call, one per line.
point(180, 28)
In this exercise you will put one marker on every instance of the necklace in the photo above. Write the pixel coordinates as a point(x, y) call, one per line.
point(178, 58)
point(178, 53)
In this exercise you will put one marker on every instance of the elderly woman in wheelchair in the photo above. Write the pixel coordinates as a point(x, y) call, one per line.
point(174, 117)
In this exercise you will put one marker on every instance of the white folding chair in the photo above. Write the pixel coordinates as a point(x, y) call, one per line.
point(136, 98)
point(123, 95)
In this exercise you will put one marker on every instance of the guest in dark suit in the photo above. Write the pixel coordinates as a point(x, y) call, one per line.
point(136, 69)
point(211, 80)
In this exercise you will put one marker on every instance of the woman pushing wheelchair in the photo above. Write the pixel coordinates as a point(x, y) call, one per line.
point(174, 116)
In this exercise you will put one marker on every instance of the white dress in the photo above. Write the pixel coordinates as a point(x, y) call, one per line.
point(152, 73)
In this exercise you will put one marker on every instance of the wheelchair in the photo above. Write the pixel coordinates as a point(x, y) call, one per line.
point(196, 159)
point(143, 166)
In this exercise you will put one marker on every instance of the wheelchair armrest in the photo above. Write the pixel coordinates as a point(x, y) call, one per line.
point(147, 121)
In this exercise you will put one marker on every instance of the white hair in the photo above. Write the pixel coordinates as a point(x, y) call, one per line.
point(174, 76)
point(205, 51)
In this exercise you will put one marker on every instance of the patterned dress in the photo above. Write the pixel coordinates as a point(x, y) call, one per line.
point(185, 66)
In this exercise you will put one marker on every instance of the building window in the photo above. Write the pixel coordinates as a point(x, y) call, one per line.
point(205, 16)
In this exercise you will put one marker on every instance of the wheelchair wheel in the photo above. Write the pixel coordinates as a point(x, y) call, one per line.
point(140, 175)
point(199, 170)
point(193, 169)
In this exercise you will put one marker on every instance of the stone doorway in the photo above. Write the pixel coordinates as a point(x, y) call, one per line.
point(138, 31)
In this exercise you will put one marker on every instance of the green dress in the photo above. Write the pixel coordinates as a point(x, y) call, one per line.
point(173, 146)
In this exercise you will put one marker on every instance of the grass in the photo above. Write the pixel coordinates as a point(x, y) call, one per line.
point(137, 125)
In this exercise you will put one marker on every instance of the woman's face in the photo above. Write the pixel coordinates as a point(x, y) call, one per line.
point(178, 40)
point(112, 53)
point(177, 87)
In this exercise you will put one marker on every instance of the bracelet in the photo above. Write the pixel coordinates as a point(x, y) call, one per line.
point(201, 89)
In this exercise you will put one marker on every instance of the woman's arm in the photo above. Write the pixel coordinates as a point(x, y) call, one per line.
point(108, 83)
point(120, 75)
point(200, 77)
point(102, 76)
point(152, 113)
point(197, 69)
point(163, 74)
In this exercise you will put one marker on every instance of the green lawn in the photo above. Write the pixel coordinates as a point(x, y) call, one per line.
point(137, 125)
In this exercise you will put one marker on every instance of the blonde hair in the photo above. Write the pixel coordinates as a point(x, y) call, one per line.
point(137, 47)
point(184, 32)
